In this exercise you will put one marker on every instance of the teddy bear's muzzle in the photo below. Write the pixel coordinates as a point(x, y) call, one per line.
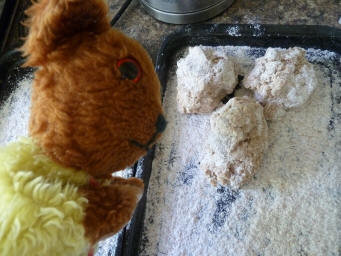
point(161, 125)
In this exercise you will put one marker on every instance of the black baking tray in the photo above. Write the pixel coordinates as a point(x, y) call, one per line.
point(10, 57)
point(6, 20)
point(255, 35)
point(11, 30)
point(319, 37)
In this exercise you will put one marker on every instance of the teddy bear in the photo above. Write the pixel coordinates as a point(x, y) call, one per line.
point(95, 109)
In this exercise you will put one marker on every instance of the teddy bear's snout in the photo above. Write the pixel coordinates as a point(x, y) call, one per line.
point(161, 125)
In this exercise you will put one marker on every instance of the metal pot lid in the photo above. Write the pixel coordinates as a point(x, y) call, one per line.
point(181, 6)
point(186, 17)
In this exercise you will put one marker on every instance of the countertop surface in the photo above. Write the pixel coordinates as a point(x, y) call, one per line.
point(139, 25)
point(136, 23)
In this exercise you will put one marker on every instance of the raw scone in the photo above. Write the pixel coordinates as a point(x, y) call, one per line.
point(236, 143)
point(204, 77)
point(281, 79)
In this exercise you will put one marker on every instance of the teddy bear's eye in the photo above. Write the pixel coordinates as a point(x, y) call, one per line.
point(129, 69)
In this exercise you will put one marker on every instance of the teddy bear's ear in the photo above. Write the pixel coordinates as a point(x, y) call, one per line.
point(56, 23)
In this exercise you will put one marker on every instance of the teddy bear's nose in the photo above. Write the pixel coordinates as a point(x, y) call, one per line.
point(161, 123)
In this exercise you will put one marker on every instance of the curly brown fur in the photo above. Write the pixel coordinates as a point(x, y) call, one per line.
point(54, 22)
point(110, 206)
point(84, 113)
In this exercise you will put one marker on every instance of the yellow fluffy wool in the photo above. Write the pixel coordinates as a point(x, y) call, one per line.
point(41, 209)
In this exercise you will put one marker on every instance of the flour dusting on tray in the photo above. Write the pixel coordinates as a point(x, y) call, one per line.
point(292, 205)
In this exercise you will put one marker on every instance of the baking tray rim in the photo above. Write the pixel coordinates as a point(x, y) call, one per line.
point(326, 37)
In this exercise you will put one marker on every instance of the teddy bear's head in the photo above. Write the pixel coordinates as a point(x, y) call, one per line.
point(96, 102)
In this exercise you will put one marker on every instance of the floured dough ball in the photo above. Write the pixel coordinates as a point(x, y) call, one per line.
point(236, 143)
point(204, 78)
point(281, 79)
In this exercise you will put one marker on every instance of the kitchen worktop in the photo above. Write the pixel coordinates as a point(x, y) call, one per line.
point(136, 23)
point(139, 25)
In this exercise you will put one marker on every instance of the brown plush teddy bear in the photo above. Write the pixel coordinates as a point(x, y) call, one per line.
point(96, 109)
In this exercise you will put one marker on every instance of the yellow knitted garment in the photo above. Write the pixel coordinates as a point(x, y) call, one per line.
point(41, 210)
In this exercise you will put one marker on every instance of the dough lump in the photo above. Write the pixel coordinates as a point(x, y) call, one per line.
point(236, 143)
point(281, 79)
point(204, 78)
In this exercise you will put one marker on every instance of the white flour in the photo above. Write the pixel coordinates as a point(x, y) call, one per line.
point(203, 79)
point(14, 112)
point(282, 77)
point(257, 29)
point(292, 205)
point(236, 142)
point(233, 30)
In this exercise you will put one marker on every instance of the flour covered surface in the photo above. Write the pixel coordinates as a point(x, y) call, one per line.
point(14, 119)
point(290, 206)
point(282, 78)
point(204, 78)
point(236, 142)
